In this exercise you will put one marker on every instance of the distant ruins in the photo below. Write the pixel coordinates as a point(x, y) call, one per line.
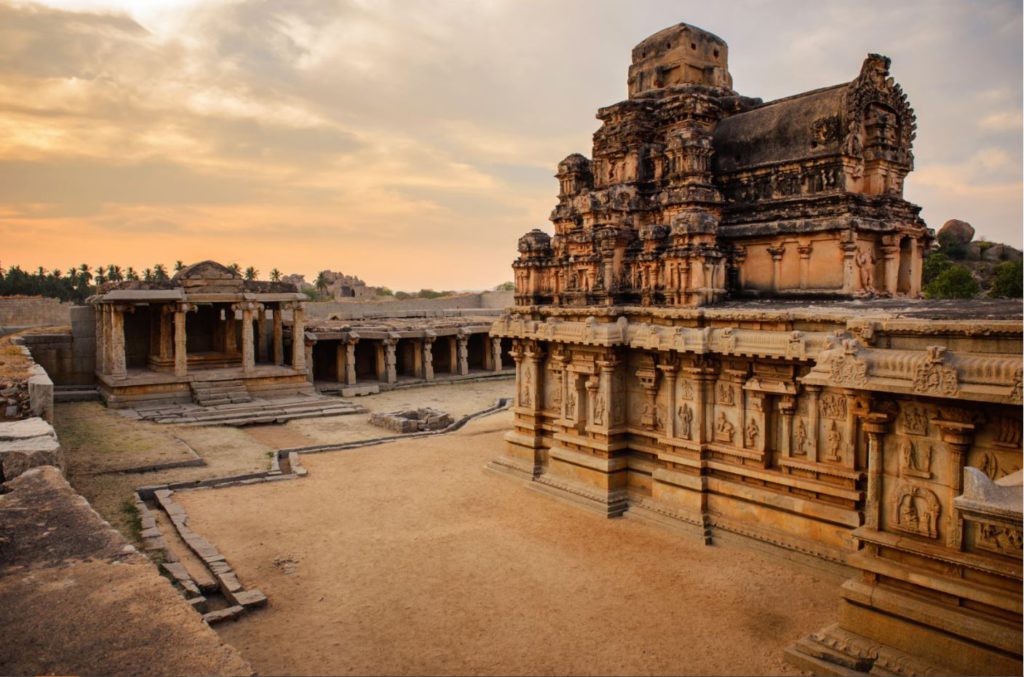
point(880, 434)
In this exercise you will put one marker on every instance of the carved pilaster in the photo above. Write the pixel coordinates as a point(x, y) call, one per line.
point(298, 337)
point(876, 425)
point(956, 429)
point(390, 358)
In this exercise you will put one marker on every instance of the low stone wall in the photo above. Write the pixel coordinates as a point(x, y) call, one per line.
point(68, 357)
point(26, 444)
point(412, 420)
point(398, 308)
point(27, 396)
point(32, 311)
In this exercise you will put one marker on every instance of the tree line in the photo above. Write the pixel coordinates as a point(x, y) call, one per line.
point(77, 284)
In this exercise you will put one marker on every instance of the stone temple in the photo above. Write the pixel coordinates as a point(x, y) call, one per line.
point(722, 336)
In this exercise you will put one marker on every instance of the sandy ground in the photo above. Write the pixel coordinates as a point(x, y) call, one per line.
point(409, 558)
point(98, 441)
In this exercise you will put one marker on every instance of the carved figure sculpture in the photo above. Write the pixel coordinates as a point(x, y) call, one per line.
point(865, 260)
point(752, 433)
point(599, 409)
point(724, 430)
point(801, 439)
point(686, 415)
point(833, 442)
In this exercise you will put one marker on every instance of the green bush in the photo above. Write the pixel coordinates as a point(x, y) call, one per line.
point(955, 282)
point(1008, 280)
point(934, 265)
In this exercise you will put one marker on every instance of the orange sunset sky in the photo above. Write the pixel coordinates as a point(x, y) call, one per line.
point(412, 143)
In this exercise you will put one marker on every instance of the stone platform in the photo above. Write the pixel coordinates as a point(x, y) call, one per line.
point(254, 412)
point(75, 598)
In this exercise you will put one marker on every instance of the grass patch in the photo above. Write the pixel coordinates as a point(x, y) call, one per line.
point(133, 518)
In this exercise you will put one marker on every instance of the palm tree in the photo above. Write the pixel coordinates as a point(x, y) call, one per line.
point(251, 273)
point(73, 275)
point(178, 265)
point(131, 275)
point(101, 275)
point(84, 273)
point(40, 272)
point(147, 275)
point(275, 275)
point(321, 282)
point(235, 268)
point(114, 273)
point(160, 273)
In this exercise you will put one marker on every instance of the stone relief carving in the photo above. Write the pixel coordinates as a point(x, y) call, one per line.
point(916, 510)
point(725, 394)
point(833, 443)
point(865, 260)
point(848, 369)
point(688, 391)
point(753, 432)
point(599, 410)
point(1015, 389)
point(915, 420)
point(686, 422)
point(933, 376)
point(800, 448)
point(525, 398)
point(1008, 432)
point(915, 461)
point(833, 406)
point(724, 430)
point(570, 404)
point(999, 538)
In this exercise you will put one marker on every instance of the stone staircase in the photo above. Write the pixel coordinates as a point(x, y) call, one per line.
point(253, 412)
point(214, 393)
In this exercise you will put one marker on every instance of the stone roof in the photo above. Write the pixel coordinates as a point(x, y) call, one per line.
point(794, 128)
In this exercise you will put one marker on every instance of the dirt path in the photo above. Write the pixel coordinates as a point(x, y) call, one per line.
point(408, 558)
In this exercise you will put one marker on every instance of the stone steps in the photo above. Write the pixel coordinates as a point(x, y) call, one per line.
point(213, 393)
point(75, 393)
point(251, 413)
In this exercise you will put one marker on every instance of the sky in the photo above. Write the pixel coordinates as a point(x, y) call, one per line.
point(412, 143)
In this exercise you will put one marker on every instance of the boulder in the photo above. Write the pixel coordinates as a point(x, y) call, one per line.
point(956, 232)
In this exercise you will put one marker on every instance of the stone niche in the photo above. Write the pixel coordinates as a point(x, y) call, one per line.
point(412, 420)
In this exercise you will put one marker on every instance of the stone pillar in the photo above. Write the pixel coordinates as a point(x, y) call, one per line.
point(230, 337)
point(381, 366)
point(786, 407)
point(669, 373)
point(958, 436)
point(417, 359)
point(805, 263)
point(428, 356)
point(453, 355)
point(99, 316)
point(248, 349)
point(339, 362)
point(533, 386)
point(166, 331)
point(278, 335)
point(851, 281)
point(776, 253)
point(298, 338)
point(891, 266)
point(350, 359)
point(390, 359)
point(118, 367)
point(307, 348)
point(813, 416)
point(261, 333)
point(875, 425)
point(517, 357)
point(462, 352)
point(180, 340)
point(496, 353)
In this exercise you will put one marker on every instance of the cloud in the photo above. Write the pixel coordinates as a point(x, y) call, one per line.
point(412, 143)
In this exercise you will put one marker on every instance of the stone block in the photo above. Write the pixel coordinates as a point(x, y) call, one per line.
point(250, 599)
point(230, 614)
point(25, 429)
point(229, 582)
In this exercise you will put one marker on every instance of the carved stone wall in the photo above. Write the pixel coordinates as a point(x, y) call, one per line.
point(840, 436)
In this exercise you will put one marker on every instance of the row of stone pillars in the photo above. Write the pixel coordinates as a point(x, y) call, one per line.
point(171, 337)
point(423, 357)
